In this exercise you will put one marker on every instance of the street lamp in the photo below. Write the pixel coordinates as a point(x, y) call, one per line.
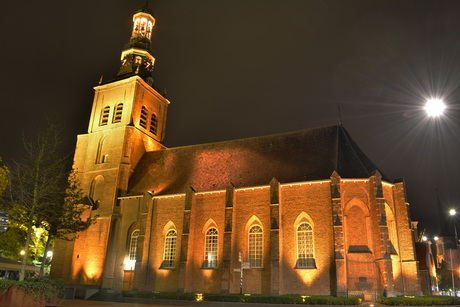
point(452, 213)
point(434, 107)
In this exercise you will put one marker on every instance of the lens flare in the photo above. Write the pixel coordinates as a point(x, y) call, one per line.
point(435, 107)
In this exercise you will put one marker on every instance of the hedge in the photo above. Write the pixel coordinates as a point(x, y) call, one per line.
point(420, 301)
point(38, 289)
point(270, 299)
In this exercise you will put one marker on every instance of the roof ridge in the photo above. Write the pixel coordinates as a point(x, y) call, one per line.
point(345, 133)
point(249, 138)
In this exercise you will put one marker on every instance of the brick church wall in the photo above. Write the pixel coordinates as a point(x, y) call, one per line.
point(310, 202)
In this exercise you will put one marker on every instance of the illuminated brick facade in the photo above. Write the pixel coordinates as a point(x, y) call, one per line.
point(310, 213)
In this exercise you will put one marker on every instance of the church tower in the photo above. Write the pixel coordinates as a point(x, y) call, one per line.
point(128, 118)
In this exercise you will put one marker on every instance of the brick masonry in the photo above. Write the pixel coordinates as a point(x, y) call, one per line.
point(361, 234)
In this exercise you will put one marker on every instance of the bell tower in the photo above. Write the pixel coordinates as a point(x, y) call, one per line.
point(128, 118)
point(136, 57)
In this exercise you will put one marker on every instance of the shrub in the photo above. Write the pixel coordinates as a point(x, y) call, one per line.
point(39, 290)
point(420, 301)
point(331, 300)
point(273, 299)
point(270, 299)
point(222, 297)
point(161, 295)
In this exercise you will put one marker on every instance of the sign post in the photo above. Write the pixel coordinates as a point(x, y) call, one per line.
point(243, 265)
point(240, 259)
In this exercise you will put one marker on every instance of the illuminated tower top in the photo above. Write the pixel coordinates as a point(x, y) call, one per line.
point(143, 23)
point(135, 57)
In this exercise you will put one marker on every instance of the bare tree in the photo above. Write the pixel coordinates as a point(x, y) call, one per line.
point(43, 190)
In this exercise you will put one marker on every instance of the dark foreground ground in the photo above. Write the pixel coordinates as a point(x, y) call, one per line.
point(133, 302)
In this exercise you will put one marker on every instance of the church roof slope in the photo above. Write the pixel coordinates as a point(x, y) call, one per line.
point(305, 155)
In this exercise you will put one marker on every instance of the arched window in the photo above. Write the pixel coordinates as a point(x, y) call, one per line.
point(305, 252)
point(255, 246)
point(101, 150)
point(144, 117)
point(153, 123)
point(96, 192)
point(117, 113)
point(104, 116)
point(149, 29)
point(169, 257)
point(133, 245)
point(210, 249)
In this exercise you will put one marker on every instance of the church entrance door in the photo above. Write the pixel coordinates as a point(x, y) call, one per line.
point(128, 278)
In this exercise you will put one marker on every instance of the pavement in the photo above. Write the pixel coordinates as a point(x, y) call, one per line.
point(132, 302)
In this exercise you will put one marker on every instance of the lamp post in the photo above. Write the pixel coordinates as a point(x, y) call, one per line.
point(452, 213)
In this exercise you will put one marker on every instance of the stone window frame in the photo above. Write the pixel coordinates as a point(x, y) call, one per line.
point(117, 113)
point(153, 123)
point(211, 247)
point(169, 251)
point(105, 112)
point(133, 245)
point(255, 246)
point(305, 246)
point(144, 117)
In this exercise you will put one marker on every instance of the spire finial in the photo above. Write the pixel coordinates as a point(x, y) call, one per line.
point(100, 80)
point(340, 115)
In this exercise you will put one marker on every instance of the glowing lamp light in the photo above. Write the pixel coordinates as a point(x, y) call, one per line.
point(130, 264)
point(435, 107)
point(49, 254)
point(304, 297)
point(424, 238)
point(452, 212)
point(199, 297)
point(436, 238)
point(22, 253)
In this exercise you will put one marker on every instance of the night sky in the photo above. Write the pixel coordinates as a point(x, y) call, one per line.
point(236, 69)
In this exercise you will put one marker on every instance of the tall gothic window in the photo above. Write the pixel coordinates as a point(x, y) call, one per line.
point(210, 249)
point(305, 256)
point(149, 29)
point(153, 123)
point(117, 113)
point(169, 257)
point(133, 245)
point(144, 117)
point(104, 116)
point(255, 246)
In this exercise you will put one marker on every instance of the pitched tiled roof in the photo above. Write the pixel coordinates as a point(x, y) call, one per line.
point(312, 154)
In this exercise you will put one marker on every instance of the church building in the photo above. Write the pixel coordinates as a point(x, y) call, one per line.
point(304, 212)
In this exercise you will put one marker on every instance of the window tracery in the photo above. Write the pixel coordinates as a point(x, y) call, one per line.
point(255, 245)
point(169, 257)
point(210, 252)
point(305, 248)
point(133, 245)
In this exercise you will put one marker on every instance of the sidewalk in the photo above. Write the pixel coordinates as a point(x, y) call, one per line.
point(133, 302)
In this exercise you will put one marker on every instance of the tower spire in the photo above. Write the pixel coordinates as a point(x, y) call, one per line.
point(136, 57)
